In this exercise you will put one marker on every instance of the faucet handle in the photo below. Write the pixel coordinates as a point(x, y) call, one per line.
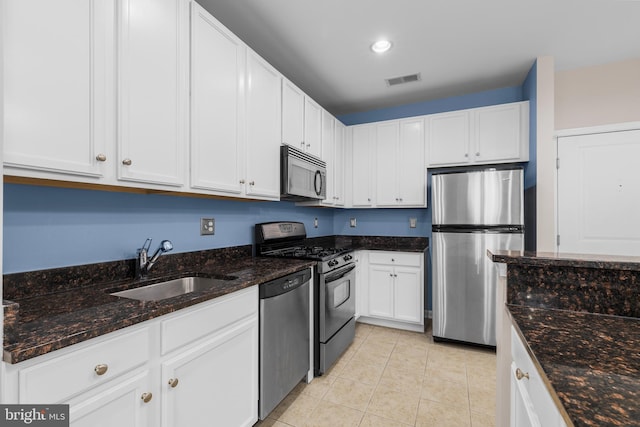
point(146, 246)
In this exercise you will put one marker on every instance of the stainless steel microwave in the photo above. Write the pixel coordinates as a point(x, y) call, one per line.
point(302, 176)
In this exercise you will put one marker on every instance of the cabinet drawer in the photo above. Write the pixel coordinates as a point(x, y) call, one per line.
point(395, 258)
point(62, 377)
point(206, 318)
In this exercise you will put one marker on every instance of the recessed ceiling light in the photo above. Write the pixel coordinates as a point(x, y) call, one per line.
point(381, 46)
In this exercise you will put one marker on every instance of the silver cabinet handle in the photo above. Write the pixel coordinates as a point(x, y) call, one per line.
point(477, 153)
point(252, 183)
point(101, 157)
point(101, 369)
point(242, 181)
point(146, 397)
point(173, 382)
point(127, 162)
point(520, 375)
point(466, 154)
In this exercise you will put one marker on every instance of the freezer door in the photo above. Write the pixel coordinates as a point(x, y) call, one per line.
point(503, 197)
point(464, 284)
point(486, 197)
point(456, 198)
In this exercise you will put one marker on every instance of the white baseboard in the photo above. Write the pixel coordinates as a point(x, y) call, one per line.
point(392, 324)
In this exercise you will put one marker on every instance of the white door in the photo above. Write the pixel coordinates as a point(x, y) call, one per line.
point(599, 193)
point(412, 173)
point(497, 133)
point(407, 294)
point(448, 138)
point(328, 154)
point(338, 159)
point(312, 127)
point(381, 291)
point(217, 101)
point(388, 135)
point(292, 115)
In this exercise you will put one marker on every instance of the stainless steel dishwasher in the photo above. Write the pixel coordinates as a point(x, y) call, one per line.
point(284, 337)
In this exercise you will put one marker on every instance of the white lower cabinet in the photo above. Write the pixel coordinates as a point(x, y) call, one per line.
point(153, 375)
point(531, 402)
point(121, 404)
point(393, 290)
point(215, 382)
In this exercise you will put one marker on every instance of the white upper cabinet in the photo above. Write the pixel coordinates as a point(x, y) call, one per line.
point(329, 155)
point(217, 105)
point(400, 171)
point(412, 171)
point(339, 164)
point(312, 127)
point(153, 84)
point(292, 115)
point(386, 153)
point(501, 133)
point(263, 131)
point(301, 120)
point(495, 134)
point(448, 138)
point(363, 144)
point(58, 85)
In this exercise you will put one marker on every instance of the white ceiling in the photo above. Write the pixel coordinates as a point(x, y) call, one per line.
point(458, 46)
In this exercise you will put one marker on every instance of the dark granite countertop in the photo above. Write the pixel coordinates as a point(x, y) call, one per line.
point(51, 309)
point(610, 262)
point(592, 362)
point(38, 324)
point(579, 316)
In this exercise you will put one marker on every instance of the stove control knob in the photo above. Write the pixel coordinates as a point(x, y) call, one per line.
point(347, 257)
point(332, 263)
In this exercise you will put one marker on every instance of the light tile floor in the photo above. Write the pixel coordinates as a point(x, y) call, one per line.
point(389, 377)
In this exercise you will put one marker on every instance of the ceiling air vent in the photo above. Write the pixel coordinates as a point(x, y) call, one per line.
point(403, 79)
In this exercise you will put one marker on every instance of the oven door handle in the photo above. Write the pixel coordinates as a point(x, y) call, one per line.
point(339, 274)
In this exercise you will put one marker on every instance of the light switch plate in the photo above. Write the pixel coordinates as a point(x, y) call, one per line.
point(352, 222)
point(315, 223)
point(207, 226)
point(412, 222)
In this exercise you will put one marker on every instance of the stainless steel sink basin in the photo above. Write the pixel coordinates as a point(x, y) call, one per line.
point(172, 288)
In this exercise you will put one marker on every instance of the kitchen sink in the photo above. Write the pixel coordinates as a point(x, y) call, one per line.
point(173, 288)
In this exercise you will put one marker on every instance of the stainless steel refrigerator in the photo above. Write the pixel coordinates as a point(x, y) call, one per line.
point(472, 211)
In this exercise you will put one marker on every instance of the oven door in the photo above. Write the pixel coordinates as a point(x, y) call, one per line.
point(337, 302)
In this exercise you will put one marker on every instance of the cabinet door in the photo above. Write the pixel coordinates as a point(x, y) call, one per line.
point(448, 138)
point(153, 90)
point(312, 127)
point(381, 291)
point(338, 160)
point(58, 58)
point(408, 294)
point(388, 134)
point(328, 154)
point(217, 101)
point(122, 404)
point(264, 109)
point(214, 383)
point(497, 133)
point(292, 115)
point(523, 413)
point(363, 145)
point(412, 173)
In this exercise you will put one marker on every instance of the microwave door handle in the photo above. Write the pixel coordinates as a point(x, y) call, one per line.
point(316, 187)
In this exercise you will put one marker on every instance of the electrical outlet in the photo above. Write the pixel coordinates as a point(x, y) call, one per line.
point(315, 223)
point(412, 222)
point(207, 226)
point(352, 222)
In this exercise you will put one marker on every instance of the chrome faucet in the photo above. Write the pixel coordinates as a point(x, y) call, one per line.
point(143, 262)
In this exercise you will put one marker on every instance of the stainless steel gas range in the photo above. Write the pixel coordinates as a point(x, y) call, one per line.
point(334, 286)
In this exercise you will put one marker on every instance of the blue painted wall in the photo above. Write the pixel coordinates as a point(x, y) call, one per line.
point(55, 227)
